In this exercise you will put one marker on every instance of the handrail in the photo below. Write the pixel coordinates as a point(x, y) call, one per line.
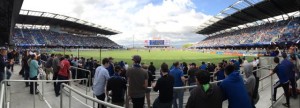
point(2, 95)
point(42, 93)
point(87, 97)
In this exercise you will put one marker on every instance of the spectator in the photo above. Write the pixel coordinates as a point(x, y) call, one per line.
point(250, 82)
point(219, 72)
point(203, 66)
point(33, 72)
point(152, 69)
point(138, 82)
point(100, 79)
point(56, 67)
point(150, 80)
point(111, 66)
point(117, 85)
point(3, 53)
point(205, 95)
point(63, 73)
point(191, 75)
point(283, 81)
point(179, 82)
point(48, 66)
point(289, 66)
point(25, 66)
point(237, 97)
point(165, 87)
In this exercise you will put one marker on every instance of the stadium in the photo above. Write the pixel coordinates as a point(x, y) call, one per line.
point(58, 61)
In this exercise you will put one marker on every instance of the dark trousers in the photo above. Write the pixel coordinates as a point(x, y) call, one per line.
point(285, 87)
point(102, 98)
point(157, 104)
point(22, 71)
point(138, 102)
point(33, 85)
point(12, 67)
point(293, 84)
point(54, 78)
point(26, 76)
point(57, 88)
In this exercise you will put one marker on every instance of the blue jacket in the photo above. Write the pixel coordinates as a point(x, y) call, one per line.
point(234, 90)
point(288, 67)
point(111, 69)
point(203, 67)
point(177, 74)
point(220, 75)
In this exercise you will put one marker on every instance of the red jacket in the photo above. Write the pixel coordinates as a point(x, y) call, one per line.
point(64, 68)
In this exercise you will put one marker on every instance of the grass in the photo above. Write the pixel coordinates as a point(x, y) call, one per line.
point(156, 56)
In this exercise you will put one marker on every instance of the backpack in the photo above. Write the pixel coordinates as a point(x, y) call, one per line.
point(49, 63)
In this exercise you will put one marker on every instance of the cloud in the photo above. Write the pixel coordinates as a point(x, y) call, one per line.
point(174, 20)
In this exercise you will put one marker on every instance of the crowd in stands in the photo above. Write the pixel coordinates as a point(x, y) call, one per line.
point(282, 31)
point(23, 37)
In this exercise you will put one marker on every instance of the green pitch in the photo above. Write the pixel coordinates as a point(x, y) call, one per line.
point(157, 56)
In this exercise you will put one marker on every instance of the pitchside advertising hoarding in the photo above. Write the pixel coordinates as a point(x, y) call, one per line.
point(157, 42)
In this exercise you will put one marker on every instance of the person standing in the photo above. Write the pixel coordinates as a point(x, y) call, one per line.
point(165, 87)
point(219, 72)
point(152, 69)
point(191, 75)
point(55, 67)
point(25, 66)
point(283, 81)
point(117, 84)
point(289, 66)
point(111, 66)
point(138, 82)
point(203, 66)
point(250, 81)
point(234, 89)
point(179, 82)
point(205, 95)
point(3, 53)
point(48, 66)
point(100, 79)
point(63, 73)
point(33, 72)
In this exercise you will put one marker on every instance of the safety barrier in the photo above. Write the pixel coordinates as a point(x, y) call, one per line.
point(267, 67)
point(85, 96)
point(41, 94)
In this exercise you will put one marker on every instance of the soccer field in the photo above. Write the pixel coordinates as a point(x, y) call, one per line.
point(157, 56)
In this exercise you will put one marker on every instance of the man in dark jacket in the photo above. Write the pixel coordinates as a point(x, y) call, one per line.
point(152, 69)
point(165, 87)
point(205, 95)
point(234, 89)
point(3, 52)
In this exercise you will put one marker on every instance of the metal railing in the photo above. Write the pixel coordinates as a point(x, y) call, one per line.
point(41, 94)
point(88, 77)
point(268, 67)
point(84, 96)
point(2, 95)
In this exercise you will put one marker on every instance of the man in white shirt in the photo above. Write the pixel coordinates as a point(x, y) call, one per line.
point(100, 79)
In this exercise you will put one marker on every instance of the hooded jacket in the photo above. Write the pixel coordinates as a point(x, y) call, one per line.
point(249, 79)
point(212, 98)
point(234, 90)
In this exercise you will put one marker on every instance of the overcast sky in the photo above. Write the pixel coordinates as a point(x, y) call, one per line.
point(174, 20)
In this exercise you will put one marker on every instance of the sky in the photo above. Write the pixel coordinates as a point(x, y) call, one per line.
point(139, 20)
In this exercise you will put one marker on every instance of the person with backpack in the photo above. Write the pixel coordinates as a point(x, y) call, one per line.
point(48, 66)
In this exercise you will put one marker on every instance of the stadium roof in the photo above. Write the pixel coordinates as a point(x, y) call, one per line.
point(248, 11)
point(9, 10)
point(46, 18)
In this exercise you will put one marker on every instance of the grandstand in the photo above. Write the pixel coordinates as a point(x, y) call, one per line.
point(43, 29)
point(248, 24)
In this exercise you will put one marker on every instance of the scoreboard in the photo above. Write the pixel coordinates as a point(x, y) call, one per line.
point(157, 42)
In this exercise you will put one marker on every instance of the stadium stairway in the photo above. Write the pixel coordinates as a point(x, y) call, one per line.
point(20, 98)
